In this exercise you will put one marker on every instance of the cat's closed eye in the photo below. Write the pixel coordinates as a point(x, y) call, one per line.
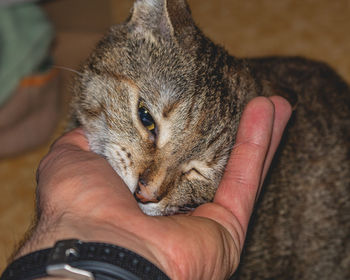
point(194, 174)
point(197, 170)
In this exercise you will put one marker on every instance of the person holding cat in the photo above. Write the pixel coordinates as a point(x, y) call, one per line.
point(80, 196)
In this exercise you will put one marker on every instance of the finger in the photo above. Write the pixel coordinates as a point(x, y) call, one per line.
point(242, 177)
point(73, 140)
point(74, 137)
point(283, 111)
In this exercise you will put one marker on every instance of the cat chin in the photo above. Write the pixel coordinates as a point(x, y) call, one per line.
point(157, 209)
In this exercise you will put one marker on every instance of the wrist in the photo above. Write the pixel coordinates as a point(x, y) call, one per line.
point(47, 231)
point(74, 259)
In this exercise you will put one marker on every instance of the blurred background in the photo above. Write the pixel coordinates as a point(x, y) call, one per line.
point(34, 112)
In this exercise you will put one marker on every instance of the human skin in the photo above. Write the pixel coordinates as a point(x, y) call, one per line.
point(80, 196)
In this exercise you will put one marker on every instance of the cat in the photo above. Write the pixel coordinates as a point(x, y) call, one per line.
point(162, 103)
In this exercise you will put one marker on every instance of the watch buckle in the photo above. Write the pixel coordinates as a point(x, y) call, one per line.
point(58, 262)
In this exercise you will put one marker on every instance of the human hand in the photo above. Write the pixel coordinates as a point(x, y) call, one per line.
point(80, 196)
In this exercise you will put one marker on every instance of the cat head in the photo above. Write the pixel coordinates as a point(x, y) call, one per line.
point(161, 103)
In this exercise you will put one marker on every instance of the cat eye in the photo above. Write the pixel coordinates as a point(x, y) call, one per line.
point(146, 118)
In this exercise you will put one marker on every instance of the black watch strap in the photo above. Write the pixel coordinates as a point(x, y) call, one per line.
point(79, 260)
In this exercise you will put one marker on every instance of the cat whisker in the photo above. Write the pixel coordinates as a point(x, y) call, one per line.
point(68, 69)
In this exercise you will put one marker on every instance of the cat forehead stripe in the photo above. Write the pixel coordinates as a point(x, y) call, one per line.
point(126, 79)
point(167, 110)
point(165, 133)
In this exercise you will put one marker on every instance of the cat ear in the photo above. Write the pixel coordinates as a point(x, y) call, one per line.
point(167, 18)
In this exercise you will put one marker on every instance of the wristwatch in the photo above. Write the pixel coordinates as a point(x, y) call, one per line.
point(74, 259)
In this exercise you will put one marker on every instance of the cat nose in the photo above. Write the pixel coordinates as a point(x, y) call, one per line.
point(144, 194)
